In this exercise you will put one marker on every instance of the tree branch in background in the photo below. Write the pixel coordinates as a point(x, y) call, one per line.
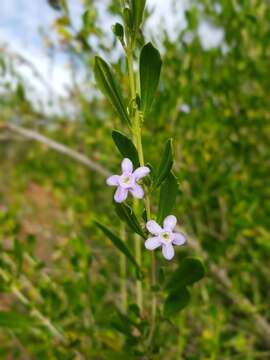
point(75, 155)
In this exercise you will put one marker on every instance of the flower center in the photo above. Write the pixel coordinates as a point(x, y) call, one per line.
point(166, 236)
point(126, 180)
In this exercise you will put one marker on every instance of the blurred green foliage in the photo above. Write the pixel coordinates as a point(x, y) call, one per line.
point(56, 267)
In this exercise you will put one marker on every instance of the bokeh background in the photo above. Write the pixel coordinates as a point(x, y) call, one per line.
point(214, 101)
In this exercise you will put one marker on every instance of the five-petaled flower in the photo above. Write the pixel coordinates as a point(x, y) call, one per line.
point(127, 181)
point(164, 237)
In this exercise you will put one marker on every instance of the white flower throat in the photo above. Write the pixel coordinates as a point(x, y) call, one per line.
point(166, 236)
point(126, 180)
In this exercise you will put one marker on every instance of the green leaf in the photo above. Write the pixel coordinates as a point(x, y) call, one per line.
point(150, 67)
point(55, 4)
point(14, 321)
point(190, 271)
point(126, 147)
point(118, 31)
point(167, 197)
point(176, 301)
point(127, 215)
point(110, 89)
point(63, 21)
point(119, 244)
point(166, 163)
point(123, 323)
point(88, 18)
point(137, 7)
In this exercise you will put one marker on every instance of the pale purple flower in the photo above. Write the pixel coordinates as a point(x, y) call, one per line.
point(127, 181)
point(164, 237)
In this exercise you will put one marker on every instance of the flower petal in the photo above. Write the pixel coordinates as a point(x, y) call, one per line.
point(141, 172)
point(113, 180)
point(127, 166)
point(179, 239)
point(168, 251)
point(137, 191)
point(153, 227)
point(169, 222)
point(120, 194)
point(152, 243)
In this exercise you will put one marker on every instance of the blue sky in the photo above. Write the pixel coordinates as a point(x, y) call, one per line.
point(21, 19)
point(20, 25)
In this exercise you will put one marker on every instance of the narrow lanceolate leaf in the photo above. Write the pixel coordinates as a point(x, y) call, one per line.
point(123, 323)
point(190, 271)
point(137, 7)
point(150, 67)
point(167, 197)
point(126, 147)
point(110, 89)
point(176, 301)
point(127, 215)
point(119, 244)
point(166, 163)
point(14, 321)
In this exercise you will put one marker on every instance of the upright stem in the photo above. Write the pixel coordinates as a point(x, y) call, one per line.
point(138, 256)
point(137, 139)
point(123, 273)
point(154, 298)
point(137, 245)
point(129, 51)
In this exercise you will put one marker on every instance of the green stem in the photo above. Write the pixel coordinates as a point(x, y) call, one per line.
point(137, 245)
point(181, 336)
point(137, 138)
point(123, 273)
point(138, 256)
point(130, 71)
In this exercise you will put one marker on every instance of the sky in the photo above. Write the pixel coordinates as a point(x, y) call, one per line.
point(20, 24)
point(22, 20)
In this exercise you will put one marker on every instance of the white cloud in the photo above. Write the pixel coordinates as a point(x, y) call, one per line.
point(210, 36)
point(169, 15)
point(19, 24)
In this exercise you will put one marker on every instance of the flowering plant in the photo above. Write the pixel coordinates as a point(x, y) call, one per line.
point(142, 182)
